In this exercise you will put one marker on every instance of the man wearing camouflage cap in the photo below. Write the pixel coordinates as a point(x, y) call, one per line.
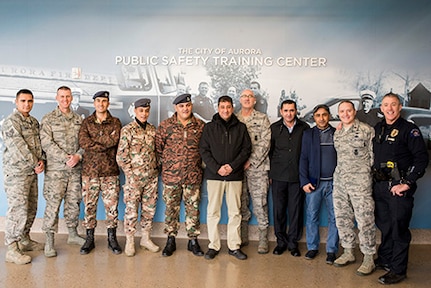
point(99, 136)
point(136, 156)
point(177, 143)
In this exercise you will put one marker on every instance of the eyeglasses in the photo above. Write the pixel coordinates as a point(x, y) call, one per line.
point(247, 96)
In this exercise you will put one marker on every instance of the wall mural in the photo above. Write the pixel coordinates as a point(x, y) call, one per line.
point(311, 53)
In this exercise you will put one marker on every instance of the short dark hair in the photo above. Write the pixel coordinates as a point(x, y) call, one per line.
point(324, 106)
point(288, 101)
point(347, 101)
point(394, 95)
point(225, 98)
point(64, 88)
point(24, 91)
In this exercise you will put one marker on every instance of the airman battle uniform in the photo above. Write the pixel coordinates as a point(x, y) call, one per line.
point(59, 137)
point(256, 180)
point(352, 192)
point(22, 153)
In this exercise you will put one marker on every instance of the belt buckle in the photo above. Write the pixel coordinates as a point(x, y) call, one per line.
point(390, 164)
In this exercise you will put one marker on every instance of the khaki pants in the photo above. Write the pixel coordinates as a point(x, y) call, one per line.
point(216, 189)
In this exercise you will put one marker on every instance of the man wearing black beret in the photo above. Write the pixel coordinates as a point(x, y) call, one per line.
point(177, 143)
point(99, 136)
point(136, 155)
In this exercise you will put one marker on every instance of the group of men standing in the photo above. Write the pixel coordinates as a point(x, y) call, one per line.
point(82, 159)
point(241, 154)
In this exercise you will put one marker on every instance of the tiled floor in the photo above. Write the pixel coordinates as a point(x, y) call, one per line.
point(101, 268)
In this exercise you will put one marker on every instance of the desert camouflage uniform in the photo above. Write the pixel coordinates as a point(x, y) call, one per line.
point(352, 192)
point(178, 149)
point(256, 176)
point(21, 155)
point(59, 138)
point(136, 155)
point(99, 168)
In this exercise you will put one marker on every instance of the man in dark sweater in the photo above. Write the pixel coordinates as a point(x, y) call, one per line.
point(286, 138)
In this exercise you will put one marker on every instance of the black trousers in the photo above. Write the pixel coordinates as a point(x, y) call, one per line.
point(393, 215)
point(288, 196)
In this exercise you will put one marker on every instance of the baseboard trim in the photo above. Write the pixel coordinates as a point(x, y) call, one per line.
point(419, 236)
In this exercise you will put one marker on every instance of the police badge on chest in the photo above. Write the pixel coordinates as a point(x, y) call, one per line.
point(392, 135)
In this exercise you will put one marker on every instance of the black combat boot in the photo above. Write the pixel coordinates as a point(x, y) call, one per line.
point(89, 243)
point(170, 247)
point(193, 246)
point(112, 241)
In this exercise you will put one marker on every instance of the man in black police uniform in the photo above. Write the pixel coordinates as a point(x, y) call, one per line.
point(400, 158)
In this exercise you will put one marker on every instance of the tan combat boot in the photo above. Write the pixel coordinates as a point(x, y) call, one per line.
point(346, 258)
point(147, 243)
point(14, 255)
point(49, 245)
point(244, 233)
point(74, 238)
point(262, 247)
point(129, 250)
point(367, 266)
point(27, 244)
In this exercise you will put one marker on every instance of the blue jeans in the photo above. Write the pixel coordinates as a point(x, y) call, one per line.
point(313, 202)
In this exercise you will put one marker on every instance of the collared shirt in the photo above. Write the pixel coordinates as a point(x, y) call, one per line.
point(100, 142)
point(290, 129)
point(258, 127)
point(23, 149)
point(59, 138)
point(178, 150)
point(136, 153)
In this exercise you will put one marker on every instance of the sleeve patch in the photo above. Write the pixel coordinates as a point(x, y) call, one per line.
point(415, 133)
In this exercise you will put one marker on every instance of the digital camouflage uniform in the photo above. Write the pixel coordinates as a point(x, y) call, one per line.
point(178, 149)
point(136, 155)
point(352, 192)
point(21, 155)
point(59, 138)
point(100, 172)
point(256, 176)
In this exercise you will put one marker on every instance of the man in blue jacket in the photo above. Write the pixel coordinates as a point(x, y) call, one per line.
point(225, 146)
point(316, 168)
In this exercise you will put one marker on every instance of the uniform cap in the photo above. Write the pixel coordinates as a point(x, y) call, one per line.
point(368, 94)
point(144, 102)
point(183, 98)
point(103, 94)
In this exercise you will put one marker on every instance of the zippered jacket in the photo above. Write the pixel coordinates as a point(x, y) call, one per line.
point(225, 143)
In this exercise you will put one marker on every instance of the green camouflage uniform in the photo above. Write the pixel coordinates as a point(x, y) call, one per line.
point(59, 138)
point(21, 155)
point(178, 149)
point(256, 180)
point(352, 192)
point(100, 172)
point(136, 155)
